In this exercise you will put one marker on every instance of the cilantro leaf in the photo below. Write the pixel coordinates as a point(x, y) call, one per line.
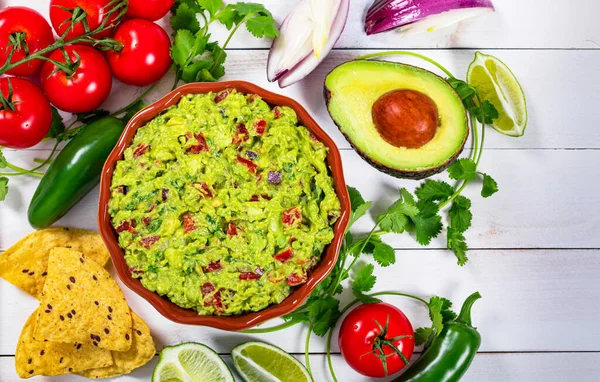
point(465, 91)
point(463, 169)
point(434, 190)
point(364, 280)
point(58, 126)
point(397, 217)
point(212, 6)
point(428, 223)
point(422, 335)
point(427, 228)
point(183, 47)
point(261, 26)
point(3, 161)
point(247, 9)
point(358, 205)
point(185, 18)
point(229, 16)
point(490, 187)
point(490, 111)
point(457, 243)
point(383, 254)
point(3, 188)
point(323, 314)
point(460, 214)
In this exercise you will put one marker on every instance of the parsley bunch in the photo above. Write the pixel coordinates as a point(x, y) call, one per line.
point(196, 57)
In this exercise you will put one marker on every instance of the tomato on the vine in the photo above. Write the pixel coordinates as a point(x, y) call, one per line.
point(62, 13)
point(25, 31)
point(82, 84)
point(376, 340)
point(25, 114)
point(145, 54)
point(148, 9)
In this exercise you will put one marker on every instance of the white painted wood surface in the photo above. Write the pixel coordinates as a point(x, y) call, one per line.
point(537, 244)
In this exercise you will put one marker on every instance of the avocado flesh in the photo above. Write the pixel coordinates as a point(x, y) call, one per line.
point(352, 88)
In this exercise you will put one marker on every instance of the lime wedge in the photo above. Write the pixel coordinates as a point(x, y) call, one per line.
point(191, 362)
point(497, 84)
point(260, 362)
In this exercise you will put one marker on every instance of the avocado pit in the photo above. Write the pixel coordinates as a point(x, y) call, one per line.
point(406, 118)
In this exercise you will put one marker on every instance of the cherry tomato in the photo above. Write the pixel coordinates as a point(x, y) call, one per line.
point(148, 9)
point(145, 57)
point(370, 328)
point(85, 88)
point(96, 12)
point(31, 29)
point(25, 115)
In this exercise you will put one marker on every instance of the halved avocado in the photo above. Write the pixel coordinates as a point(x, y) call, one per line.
point(403, 120)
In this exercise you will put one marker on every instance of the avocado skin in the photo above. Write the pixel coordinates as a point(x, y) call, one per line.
point(402, 174)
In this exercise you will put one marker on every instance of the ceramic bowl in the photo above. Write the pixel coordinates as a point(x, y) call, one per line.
point(188, 316)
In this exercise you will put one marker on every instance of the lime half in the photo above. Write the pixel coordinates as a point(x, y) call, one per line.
point(497, 84)
point(190, 362)
point(260, 362)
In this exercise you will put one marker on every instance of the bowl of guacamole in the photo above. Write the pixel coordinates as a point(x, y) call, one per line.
point(223, 205)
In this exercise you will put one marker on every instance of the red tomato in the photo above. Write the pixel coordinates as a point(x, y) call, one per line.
point(361, 339)
point(145, 57)
point(37, 35)
point(25, 115)
point(96, 11)
point(83, 90)
point(148, 9)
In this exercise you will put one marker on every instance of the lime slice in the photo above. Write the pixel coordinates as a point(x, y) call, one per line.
point(497, 84)
point(260, 362)
point(191, 362)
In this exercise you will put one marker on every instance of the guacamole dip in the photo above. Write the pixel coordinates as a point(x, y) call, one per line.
point(223, 204)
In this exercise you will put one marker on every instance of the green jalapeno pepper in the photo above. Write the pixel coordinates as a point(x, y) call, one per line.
point(451, 353)
point(75, 171)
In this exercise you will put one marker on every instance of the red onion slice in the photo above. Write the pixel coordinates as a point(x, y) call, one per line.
point(421, 15)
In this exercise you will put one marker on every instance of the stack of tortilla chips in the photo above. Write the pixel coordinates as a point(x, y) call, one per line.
point(83, 324)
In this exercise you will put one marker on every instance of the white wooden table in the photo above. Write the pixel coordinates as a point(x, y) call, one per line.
point(536, 244)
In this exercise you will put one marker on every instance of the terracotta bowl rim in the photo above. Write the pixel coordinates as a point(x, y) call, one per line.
point(188, 316)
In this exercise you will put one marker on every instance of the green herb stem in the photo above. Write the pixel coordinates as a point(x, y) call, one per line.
point(306, 353)
point(139, 98)
point(407, 53)
point(216, 61)
point(272, 329)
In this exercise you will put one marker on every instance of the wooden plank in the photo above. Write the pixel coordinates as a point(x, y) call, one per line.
point(544, 200)
point(529, 298)
point(539, 367)
point(516, 24)
point(561, 119)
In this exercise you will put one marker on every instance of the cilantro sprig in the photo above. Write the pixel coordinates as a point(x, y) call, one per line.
point(196, 57)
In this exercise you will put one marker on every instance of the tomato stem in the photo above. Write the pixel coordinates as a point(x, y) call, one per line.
point(119, 6)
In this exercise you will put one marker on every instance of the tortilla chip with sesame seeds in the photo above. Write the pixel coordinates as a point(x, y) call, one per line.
point(51, 358)
point(141, 352)
point(81, 303)
point(25, 263)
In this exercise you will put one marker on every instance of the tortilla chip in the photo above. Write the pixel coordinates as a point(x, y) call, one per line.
point(141, 352)
point(25, 264)
point(51, 358)
point(82, 303)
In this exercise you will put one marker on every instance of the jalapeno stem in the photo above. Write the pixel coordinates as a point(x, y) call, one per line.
point(465, 312)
